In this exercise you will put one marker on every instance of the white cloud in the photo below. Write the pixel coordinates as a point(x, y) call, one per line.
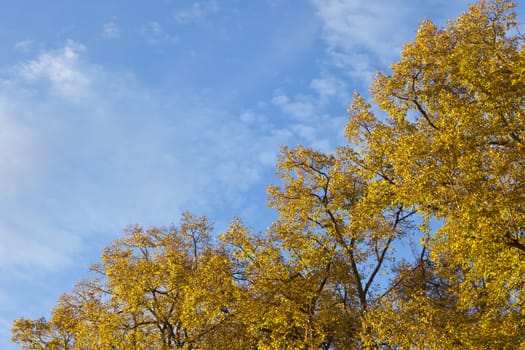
point(250, 117)
point(301, 107)
point(352, 28)
point(5, 327)
point(363, 37)
point(18, 157)
point(349, 24)
point(327, 86)
point(19, 250)
point(85, 151)
point(111, 30)
point(154, 34)
point(197, 12)
point(61, 68)
point(25, 46)
point(306, 132)
point(310, 124)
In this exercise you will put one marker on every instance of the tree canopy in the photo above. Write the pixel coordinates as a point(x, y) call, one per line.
point(435, 161)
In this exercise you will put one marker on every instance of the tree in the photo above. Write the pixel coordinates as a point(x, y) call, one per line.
point(439, 165)
point(155, 289)
point(452, 135)
point(316, 270)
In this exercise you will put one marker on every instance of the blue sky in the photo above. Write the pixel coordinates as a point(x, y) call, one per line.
point(118, 112)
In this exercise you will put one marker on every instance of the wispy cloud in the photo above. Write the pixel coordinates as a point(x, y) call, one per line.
point(154, 34)
point(309, 120)
point(328, 85)
point(110, 30)
point(5, 327)
point(360, 35)
point(300, 107)
point(197, 12)
point(25, 46)
point(59, 68)
point(363, 37)
point(97, 151)
point(36, 249)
